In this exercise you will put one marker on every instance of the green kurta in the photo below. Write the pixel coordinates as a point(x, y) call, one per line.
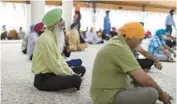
point(47, 58)
point(110, 70)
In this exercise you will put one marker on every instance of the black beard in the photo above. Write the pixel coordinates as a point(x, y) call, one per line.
point(40, 32)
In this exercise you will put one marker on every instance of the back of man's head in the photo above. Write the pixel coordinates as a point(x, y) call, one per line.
point(172, 11)
point(107, 12)
point(20, 28)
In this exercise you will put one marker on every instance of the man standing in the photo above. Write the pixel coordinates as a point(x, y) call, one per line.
point(111, 77)
point(107, 25)
point(38, 30)
point(170, 21)
point(49, 66)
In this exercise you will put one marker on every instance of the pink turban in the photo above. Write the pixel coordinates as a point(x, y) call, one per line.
point(38, 27)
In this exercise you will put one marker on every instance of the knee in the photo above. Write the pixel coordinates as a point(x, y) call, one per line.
point(82, 70)
point(80, 61)
point(151, 62)
point(76, 81)
point(153, 94)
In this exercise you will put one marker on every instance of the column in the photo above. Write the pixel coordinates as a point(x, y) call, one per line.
point(94, 20)
point(67, 6)
point(37, 11)
point(94, 15)
point(28, 16)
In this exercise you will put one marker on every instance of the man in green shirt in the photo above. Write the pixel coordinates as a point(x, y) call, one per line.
point(49, 66)
point(113, 67)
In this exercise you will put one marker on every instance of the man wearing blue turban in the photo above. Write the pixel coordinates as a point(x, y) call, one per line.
point(158, 48)
point(25, 40)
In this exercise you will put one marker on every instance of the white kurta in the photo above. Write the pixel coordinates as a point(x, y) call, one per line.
point(31, 43)
point(24, 42)
point(21, 34)
point(92, 37)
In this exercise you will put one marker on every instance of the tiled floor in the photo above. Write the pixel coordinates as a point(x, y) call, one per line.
point(17, 79)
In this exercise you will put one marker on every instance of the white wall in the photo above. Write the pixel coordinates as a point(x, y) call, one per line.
point(13, 15)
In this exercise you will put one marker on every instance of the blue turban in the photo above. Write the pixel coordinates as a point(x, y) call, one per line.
point(32, 28)
point(160, 32)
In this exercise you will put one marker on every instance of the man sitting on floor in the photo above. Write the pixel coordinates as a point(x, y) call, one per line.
point(113, 32)
point(159, 49)
point(169, 40)
point(147, 63)
point(49, 66)
point(25, 40)
point(113, 67)
point(21, 33)
point(75, 64)
point(92, 37)
point(38, 30)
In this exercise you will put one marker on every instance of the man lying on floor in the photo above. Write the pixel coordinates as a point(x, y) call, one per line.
point(159, 49)
point(49, 66)
point(115, 64)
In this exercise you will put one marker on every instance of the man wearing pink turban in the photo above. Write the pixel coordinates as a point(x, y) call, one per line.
point(38, 30)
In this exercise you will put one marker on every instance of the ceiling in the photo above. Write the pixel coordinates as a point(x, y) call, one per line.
point(150, 5)
point(157, 4)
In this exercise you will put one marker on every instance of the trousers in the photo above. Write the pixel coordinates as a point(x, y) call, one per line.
point(139, 95)
point(52, 82)
point(145, 63)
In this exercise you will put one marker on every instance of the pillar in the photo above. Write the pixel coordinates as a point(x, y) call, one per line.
point(94, 20)
point(28, 16)
point(37, 11)
point(67, 6)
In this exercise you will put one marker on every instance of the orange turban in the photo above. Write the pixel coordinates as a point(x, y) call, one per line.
point(77, 8)
point(132, 30)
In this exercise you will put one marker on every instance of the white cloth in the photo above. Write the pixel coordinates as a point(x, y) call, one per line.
point(92, 37)
point(24, 42)
point(21, 34)
point(31, 43)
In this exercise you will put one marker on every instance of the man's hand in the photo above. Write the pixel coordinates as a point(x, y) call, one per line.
point(158, 65)
point(68, 49)
point(170, 59)
point(165, 98)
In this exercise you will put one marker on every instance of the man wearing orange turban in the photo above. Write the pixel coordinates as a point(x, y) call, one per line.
point(113, 67)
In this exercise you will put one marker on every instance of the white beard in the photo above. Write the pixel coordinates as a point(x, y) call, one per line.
point(60, 38)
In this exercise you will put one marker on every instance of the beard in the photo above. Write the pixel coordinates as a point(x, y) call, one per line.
point(40, 32)
point(59, 37)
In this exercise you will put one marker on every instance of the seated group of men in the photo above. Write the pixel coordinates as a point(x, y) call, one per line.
point(114, 68)
point(92, 37)
point(12, 34)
